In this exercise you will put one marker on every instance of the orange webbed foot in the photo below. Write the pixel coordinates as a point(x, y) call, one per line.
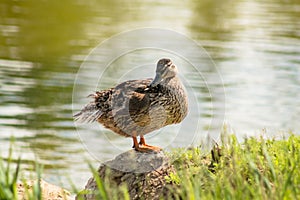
point(143, 147)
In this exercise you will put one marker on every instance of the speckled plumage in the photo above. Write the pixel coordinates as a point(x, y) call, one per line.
point(137, 107)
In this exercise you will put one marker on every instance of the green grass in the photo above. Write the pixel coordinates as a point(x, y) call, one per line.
point(9, 177)
point(254, 169)
point(257, 168)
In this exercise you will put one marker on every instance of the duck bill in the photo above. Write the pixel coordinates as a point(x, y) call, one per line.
point(156, 80)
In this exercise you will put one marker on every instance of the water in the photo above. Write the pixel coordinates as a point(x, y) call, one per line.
point(255, 47)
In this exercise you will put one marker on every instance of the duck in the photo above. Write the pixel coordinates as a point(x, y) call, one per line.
point(135, 108)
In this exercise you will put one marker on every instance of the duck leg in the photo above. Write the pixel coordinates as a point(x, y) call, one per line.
point(142, 147)
point(143, 144)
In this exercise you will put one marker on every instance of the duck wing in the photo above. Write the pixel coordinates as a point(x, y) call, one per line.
point(132, 98)
point(127, 103)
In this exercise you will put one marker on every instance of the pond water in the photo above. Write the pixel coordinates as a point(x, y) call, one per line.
point(254, 48)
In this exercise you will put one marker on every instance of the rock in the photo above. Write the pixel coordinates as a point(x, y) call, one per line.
point(143, 173)
point(49, 191)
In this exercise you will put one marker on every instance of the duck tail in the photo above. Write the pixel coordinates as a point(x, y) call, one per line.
point(95, 109)
point(90, 113)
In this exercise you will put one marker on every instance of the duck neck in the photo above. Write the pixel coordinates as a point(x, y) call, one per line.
point(171, 80)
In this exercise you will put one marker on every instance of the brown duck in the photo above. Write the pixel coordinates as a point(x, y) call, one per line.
point(137, 107)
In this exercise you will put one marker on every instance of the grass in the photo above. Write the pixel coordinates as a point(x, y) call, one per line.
point(255, 169)
point(9, 179)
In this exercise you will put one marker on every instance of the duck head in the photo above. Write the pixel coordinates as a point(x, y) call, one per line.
point(165, 70)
